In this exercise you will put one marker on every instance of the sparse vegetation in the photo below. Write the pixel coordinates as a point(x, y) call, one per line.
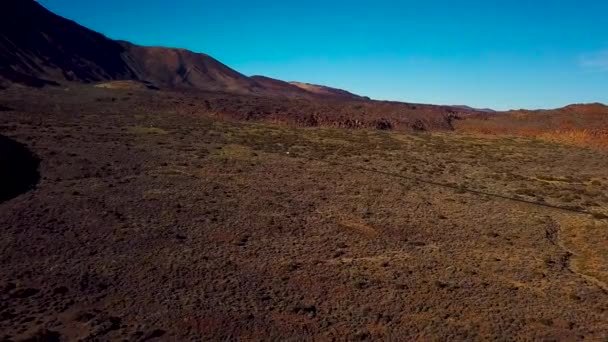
point(249, 228)
point(582, 125)
point(152, 193)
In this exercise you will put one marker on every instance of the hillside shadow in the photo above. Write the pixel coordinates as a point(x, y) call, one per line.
point(18, 169)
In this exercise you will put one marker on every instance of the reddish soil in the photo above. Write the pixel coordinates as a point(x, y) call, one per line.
point(173, 198)
point(155, 218)
point(580, 124)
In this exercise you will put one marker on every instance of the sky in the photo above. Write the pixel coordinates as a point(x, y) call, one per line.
point(501, 54)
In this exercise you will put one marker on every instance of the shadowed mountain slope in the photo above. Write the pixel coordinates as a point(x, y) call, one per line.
point(38, 47)
point(36, 44)
point(180, 68)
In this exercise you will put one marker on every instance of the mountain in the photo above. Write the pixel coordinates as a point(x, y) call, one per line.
point(180, 68)
point(328, 91)
point(586, 108)
point(37, 44)
point(38, 48)
point(469, 108)
point(281, 87)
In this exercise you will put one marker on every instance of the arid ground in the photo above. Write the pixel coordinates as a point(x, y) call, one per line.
point(150, 217)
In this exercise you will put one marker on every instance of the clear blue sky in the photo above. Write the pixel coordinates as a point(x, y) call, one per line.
point(499, 54)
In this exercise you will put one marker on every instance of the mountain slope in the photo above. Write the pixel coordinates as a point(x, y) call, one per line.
point(38, 47)
point(586, 108)
point(281, 87)
point(36, 44)
point(328, 91)
point(180, 68)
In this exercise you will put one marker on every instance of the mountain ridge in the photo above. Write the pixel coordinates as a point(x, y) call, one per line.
point(38, 48)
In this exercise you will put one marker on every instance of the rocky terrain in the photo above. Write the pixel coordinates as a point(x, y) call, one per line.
point(152, 193)
point(148, 219)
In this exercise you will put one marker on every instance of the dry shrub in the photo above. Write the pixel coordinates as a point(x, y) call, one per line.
point(583, 127)
point(583, 137)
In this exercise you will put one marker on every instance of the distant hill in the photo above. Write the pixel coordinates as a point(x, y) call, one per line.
point(583, 124)
point(38, 48)
point(468, 108)
point(577, 108)
point(586, 108)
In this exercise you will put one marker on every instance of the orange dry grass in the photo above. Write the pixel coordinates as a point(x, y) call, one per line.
point(583, 137)
point(564, 132)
